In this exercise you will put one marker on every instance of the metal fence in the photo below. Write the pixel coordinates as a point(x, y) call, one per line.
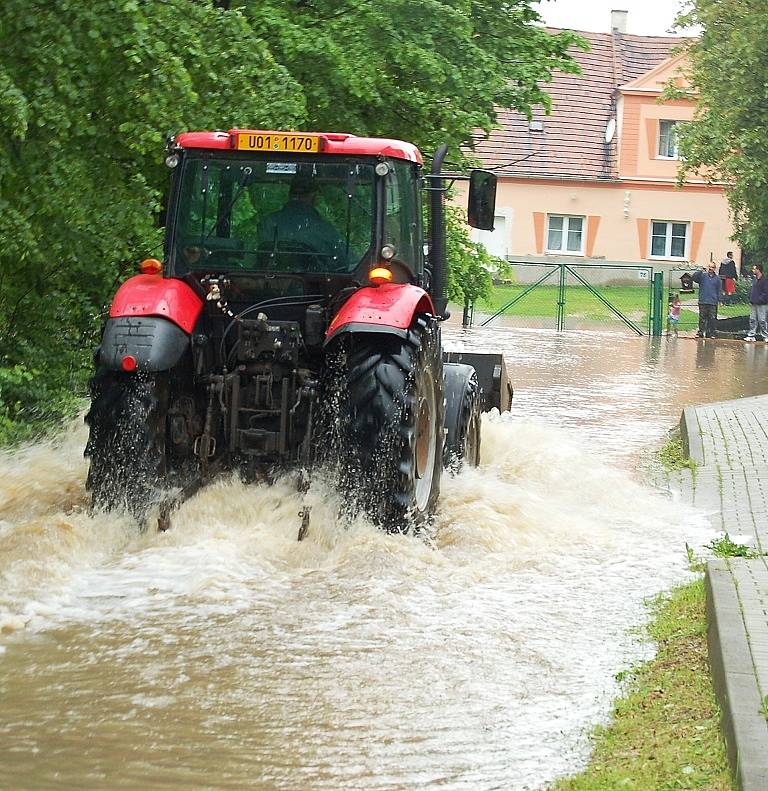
point(573, 296)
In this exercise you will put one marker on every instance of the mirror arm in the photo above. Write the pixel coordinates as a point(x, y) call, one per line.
point(443, 189)
point(437, 232)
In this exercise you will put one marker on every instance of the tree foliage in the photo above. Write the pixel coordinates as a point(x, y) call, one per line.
point(430, 72)
point(726, 141)
point(88, 92)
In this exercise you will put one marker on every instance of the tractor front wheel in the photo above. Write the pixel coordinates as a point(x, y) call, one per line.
point(395, 395)
point(127, 440)
point(462, 417)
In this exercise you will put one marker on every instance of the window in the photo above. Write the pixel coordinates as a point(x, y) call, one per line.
point(402, 207)
point(668, 140)
point(669, 239)
point(565, 234)
point(262, 214)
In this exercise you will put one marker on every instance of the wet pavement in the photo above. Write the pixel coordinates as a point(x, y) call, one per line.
point(729, 442)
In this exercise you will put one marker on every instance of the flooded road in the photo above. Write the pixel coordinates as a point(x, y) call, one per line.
point(224, 654)
point(619, 392)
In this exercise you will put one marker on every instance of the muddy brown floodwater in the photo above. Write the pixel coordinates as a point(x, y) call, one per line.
point(223, 654)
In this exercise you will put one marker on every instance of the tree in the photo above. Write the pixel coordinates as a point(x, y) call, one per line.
point(89, 90)
point(87, 93)
point(470, 276)
point(726, 140)
point(431, 72)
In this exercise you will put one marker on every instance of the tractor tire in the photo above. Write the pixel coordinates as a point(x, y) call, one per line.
point(127, 441)
point(462, 417)
point(394, 391)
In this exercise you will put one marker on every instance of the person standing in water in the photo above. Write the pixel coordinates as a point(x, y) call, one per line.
point(758, 305)
point(673, 316)
point(710, 291)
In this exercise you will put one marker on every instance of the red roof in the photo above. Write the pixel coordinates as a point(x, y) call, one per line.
point(339, 143)
point(571, 141)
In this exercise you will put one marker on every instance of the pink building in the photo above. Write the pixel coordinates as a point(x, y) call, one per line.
point(596, 180)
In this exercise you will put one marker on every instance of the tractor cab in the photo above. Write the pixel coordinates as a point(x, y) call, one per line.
point(326, 210)
point(330, 208)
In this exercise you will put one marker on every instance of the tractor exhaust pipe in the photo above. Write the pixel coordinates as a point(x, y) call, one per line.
point(437, 233)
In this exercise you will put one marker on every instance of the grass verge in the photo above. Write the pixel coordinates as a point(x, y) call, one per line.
point(665, 732)
point(633, 301)
point(542, 300)
point(672, 456)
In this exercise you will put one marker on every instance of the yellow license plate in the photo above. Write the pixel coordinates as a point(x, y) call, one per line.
point(278, 141)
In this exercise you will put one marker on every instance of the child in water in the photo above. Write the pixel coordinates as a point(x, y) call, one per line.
point(673, 317)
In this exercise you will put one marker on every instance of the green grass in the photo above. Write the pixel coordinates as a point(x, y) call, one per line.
point(722, 547)
point(579, 301)
point(665, 732)
point(726, 547)
point(672, 456)
point(542, 300)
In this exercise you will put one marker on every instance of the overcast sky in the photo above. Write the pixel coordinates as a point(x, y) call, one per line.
point(649, 17)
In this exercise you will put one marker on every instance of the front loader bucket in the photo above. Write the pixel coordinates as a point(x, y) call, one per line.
point(492, 376)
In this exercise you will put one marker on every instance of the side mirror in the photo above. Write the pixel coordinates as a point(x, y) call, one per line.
point(482, 199)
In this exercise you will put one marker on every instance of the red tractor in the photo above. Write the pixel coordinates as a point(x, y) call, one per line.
point(294, 324)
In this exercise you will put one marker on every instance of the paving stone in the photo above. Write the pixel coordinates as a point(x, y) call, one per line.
point(729, 441)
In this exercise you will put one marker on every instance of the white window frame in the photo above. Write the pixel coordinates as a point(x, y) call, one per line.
point(668, 240)
point(566, 225)
point(675, 148)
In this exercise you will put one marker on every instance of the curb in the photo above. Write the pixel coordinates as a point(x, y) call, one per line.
point(690, 433)
point(733, 676)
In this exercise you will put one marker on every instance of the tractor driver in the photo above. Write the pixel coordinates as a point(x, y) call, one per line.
point(299, 224)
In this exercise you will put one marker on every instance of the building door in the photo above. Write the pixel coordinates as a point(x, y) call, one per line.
point(496, 242)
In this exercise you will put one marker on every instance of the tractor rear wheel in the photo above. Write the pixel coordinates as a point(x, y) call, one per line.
point(395, 396)
point(127, 440)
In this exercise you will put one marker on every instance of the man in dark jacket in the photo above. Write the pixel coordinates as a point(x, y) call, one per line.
point(710, 290)
point(300, 226)
point(758, 304)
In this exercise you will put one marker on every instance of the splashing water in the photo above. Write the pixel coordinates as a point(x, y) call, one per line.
point(224, 653)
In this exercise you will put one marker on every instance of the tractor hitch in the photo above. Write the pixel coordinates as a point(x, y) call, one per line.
point(304, 514)
point(170, 504)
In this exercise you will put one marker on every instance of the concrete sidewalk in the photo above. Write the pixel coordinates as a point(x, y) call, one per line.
point(729, 441)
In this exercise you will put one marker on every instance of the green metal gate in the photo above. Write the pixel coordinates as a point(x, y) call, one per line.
point(578, 296)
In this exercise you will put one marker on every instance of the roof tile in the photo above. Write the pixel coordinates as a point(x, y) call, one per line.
point(572, 143)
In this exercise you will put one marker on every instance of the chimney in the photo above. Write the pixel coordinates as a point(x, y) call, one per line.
point(619, 21)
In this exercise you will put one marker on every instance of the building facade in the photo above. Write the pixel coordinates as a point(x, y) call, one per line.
point(596, 180)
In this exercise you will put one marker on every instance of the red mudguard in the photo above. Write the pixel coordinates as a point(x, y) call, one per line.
point(153, 295)
point(384, 308)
